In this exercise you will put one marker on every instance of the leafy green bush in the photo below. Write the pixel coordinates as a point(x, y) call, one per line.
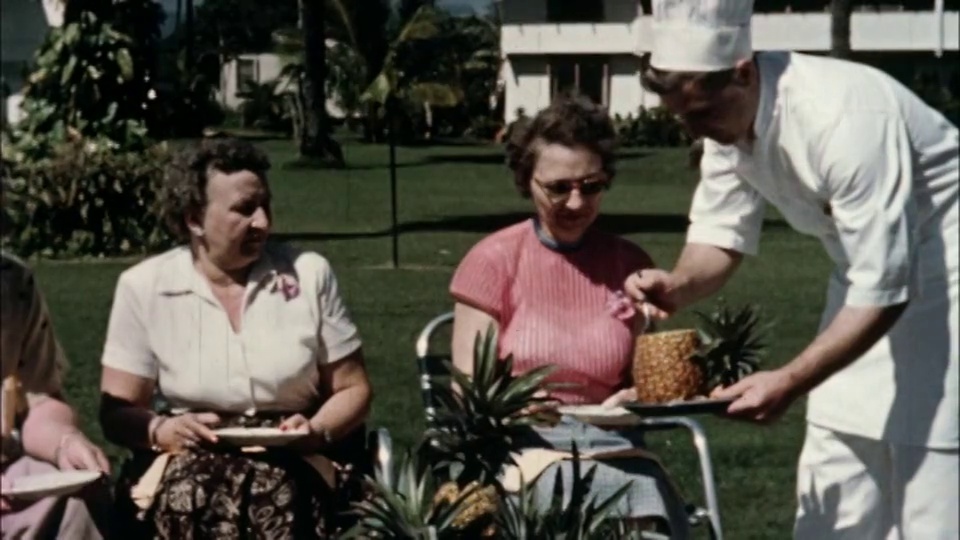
point(86, 198)
point(651, 127)
point(484, 128)
point(85, 78)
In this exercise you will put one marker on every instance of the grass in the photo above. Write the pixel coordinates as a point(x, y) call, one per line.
point(450, 197)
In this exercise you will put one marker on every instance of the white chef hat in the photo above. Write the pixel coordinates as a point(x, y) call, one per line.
point(700, 35)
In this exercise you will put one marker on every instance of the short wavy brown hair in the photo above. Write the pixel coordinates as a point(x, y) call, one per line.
point(570, 121)
point(184, 189)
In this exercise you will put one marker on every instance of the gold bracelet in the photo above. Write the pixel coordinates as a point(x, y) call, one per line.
point(152, 428)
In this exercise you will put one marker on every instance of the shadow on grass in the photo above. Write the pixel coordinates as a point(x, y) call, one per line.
point(486, 223)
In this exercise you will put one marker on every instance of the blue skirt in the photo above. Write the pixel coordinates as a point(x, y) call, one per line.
point(651, 493)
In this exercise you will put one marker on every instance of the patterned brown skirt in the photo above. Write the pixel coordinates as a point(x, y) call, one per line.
point(220, 493)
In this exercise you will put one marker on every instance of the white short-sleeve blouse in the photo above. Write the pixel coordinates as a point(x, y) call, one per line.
point(167, 326)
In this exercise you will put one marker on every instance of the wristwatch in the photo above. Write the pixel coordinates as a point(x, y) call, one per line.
point(323, 433)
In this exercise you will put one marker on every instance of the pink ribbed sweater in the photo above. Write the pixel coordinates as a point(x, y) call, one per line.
point(553, 306)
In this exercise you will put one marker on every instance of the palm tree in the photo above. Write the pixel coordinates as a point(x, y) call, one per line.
point(405, 78)
point(840, 12)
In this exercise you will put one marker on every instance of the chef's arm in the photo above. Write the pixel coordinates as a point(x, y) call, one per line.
point(726, 218)
point(865, 164)
point(853, 331)
point(701, 271)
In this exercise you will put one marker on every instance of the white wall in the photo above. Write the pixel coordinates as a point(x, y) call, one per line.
point(527, 85)
point(626, 93)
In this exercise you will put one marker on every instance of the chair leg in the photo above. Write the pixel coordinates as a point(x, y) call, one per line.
point(706, 465)
point(383, 454)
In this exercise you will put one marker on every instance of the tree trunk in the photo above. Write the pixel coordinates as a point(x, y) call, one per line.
point(840, 12)
point(315, 141)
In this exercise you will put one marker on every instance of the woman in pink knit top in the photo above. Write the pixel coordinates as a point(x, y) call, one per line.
point(552, 286)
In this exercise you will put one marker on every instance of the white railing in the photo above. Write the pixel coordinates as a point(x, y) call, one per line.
point(869, 31)
point(562, 38)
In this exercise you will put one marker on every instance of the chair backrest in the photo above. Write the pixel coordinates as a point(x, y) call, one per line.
point(433, 348)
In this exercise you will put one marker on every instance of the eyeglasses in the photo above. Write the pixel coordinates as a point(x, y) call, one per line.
point(588, 186)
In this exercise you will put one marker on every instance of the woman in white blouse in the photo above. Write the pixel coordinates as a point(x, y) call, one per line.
point(236, 331)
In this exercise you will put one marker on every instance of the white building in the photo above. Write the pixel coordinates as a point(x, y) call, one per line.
point(257, 68)
point(261, 68)
point(554, 45)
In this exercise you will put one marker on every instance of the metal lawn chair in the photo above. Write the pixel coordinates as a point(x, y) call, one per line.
point(430, 364)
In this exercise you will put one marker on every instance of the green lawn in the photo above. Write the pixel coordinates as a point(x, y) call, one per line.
point(450, 197)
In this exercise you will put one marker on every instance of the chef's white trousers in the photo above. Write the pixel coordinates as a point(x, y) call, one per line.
point(850, 487)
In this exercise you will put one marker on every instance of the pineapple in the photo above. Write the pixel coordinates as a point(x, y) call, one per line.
point(410, 507)
point(681, 365)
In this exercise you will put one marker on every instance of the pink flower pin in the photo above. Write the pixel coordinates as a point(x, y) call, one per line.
point(285, 284)
point(620, 306)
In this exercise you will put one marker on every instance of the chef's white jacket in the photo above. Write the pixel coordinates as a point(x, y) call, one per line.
point(850, 156)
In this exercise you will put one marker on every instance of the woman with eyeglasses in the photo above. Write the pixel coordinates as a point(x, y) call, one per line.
point(552, 287)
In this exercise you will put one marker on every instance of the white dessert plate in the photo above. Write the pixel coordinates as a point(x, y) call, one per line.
point(53, 484)
point(599, 415)
point(258, 436)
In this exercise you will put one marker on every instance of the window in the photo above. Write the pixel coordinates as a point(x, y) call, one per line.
point(246, 72)
point(585, 75)
point(574, 11)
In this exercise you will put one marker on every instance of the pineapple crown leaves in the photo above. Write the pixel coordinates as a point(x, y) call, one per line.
point(732, 343)
point(478, 423)
point(409, 507)
point(581, 518)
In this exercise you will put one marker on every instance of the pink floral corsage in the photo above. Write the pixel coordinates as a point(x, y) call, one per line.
point(285, 284)
point(620, 306)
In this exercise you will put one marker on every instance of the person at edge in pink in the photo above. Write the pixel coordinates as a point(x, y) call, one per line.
point(551, 285)
point(49, 439)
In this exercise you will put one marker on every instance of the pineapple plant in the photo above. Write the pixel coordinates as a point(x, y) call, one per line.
point(472, 436)
point(479, 424)
point(581, 518)
point(409, 505)
point(681, 365)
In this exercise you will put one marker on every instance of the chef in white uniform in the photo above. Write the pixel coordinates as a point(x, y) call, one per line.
point(850, 156)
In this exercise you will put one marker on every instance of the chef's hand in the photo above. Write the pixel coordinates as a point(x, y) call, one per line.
point(762, 397)
point(652, 292)
point(623, 396)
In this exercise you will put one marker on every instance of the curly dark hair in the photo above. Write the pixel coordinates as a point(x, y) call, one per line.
point(571, 121)
point(184, 190)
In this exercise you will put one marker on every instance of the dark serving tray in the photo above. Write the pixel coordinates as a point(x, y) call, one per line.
point(679, 408)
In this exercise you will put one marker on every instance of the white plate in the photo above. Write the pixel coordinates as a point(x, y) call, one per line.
point(53, 484)
point(599, 415)
point(261, 436)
